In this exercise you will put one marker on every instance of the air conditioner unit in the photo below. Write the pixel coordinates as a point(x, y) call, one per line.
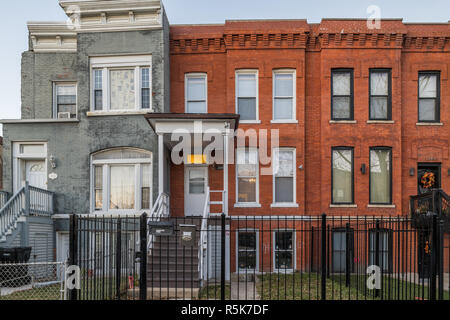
point(63, 115)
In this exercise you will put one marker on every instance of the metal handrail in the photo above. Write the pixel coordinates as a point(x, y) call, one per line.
point(160, 210)
point(203, 241)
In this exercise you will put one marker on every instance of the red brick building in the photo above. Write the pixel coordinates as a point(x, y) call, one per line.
point(399, 58)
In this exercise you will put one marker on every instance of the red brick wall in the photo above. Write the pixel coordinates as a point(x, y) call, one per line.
point(313, 50)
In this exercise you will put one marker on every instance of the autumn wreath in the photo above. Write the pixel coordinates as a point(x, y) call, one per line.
point(428, 180)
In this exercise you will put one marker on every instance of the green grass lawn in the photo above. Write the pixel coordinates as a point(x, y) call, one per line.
point(52, 292)
point(307, 286)
point(213, 292)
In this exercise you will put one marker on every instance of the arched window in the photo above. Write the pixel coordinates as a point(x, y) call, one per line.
point(121, 180)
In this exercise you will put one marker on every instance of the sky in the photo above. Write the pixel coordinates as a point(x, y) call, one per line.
point(15, 14)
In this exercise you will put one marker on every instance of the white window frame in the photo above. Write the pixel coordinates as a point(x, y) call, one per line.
point(294, 95)
point(196, 75)
point(56, 84)
point(20, 158)
point(247, 72)
point(108, 63)
point(294, 204)
point(294, 250)
point(244, 271)
point(106, 190)
point(255, 204)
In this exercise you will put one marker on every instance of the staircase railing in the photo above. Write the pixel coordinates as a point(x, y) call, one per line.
point(3, 198)
point(160, 210)
point(27, 201)
point(424, 206)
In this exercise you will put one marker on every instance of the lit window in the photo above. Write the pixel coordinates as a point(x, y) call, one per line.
point(247, 176)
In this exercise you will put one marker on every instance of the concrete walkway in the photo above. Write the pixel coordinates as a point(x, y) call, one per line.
point(244, 290)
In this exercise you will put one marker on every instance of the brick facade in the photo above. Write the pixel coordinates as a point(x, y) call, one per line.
point(313, 50)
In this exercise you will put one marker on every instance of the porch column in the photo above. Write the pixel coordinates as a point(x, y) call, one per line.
point(225, 170)
point(161, 163)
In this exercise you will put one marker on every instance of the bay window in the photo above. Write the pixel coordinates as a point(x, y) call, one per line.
point(342, 175)
point(429, 96)
point(121, 83)
point(380, 175)
point(122, 180)
point(247, 176)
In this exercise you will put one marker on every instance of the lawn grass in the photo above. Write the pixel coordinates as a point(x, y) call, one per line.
point(213, 292)
point(307, 286)
point(52, 292)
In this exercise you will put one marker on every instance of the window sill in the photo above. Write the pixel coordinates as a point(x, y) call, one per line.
point(284, 121)
point(429, 124)
point(284, 205)
point(392, 206)
point(343, 206)
point(247, 205)
point(343, 121)
point(116, 113)
point(249, 121)
point(380, 121)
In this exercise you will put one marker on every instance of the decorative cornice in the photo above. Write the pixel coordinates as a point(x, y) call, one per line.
point(52, 37)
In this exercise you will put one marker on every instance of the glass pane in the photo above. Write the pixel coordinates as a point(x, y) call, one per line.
point(246, 189)
point(98, 96)
point(283, 260)
point(284, 164)
point(283, 240)
point(98, 177)
point(196, 107)
point(379, 83)
point(145, 98)
point(196, 89)
point(283, 109)
point(342, 176)
point(247, 163)
point(98, 79)
point(122, 88)
point(427, 86)
point(427, 109)
point(284, 190)
point(121, 154)
point(341, 84)
point(339, 241)
point(247, 260)
point(71, 108)
point(380, 176)
point(247, 85)
point(32, 149)
point(247, 240)
point(341, 108)
point(145, 198)
point(145, 78)
point(247, 108)
point(284, 85)
point(196, 181)
point(98, 199)
point(146, 175)
point(339, 261)
point(122, 187)
point(379, 108)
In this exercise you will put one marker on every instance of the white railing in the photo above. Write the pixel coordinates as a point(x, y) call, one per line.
point(160, 210)
point(11, 212)
point(203, 241)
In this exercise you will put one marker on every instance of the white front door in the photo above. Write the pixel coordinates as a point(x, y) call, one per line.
point(35, 174)
point(195, 185)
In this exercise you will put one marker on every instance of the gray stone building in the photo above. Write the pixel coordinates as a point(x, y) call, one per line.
point(86, 85)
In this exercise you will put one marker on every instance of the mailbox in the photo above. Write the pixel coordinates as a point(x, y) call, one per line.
point(161, 228)
point(188, 235)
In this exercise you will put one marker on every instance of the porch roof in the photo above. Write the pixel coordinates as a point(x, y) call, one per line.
point(166, 122)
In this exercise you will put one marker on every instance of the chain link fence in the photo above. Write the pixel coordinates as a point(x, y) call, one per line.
point(32, 281)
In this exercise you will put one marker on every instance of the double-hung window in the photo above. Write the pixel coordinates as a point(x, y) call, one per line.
point(247, 95)
point(380, 94)
point(342, 175)
point(284, 95)
point(247, 176)
point(380, 175)
point(122, 180)
point(342, 94)
point(196, 93)
point(121, 83)
point(284, 176)
point(65, 105)
point(429, 96)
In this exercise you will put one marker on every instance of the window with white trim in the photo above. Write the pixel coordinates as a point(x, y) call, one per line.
point(65, 100)
point(196, 93)
point(121, 83)
point(247, 176)
point(247, 250)
point(247, 95)
point(284, 175)
point(284, 95)
point(122, 180)
point(284, 249)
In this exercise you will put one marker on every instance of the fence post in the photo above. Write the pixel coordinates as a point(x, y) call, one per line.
point(434, 256)
point(441, 260)
point(222, 260)
point(347, 255)
point(377, 251)
point(324, 257)
point(118, 257)
point(143, 259)
point(73, 241)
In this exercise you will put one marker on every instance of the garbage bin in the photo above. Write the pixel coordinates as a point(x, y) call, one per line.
point(13, 272)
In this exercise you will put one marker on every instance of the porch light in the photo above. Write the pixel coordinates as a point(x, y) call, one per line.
point(412, 172)
point(52, 161)
point(363, 168)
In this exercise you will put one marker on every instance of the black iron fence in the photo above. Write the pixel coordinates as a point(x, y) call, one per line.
point(265, 258)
